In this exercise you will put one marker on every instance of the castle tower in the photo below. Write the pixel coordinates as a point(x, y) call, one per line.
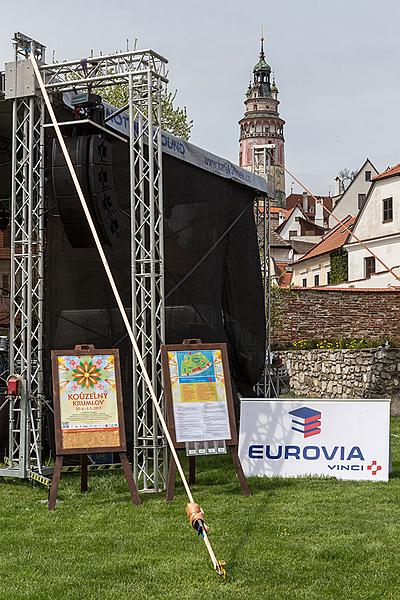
point(262, 126)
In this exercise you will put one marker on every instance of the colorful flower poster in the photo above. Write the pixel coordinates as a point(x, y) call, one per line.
point(87, 390)
point(199, 395)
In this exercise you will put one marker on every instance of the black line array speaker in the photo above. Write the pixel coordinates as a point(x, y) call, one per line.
point(102, 188)
point(69, 206)
point(91, 156)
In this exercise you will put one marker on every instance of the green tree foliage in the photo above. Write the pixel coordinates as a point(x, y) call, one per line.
point(339, 266)
point(173, 119)
point(279, 297)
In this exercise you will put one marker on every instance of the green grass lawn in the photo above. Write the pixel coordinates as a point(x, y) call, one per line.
point(293, 539)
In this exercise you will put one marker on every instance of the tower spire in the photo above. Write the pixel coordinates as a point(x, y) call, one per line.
point(261, 126)
point(262, 55)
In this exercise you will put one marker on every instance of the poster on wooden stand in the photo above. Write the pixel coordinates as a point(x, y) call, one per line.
point(199, 402)
point(88, 410)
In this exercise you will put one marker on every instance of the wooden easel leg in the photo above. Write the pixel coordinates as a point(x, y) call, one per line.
point(171, 480)
point(129, 478)
point(84, 473)
point(54, 483)
point(239, 471)
point(192, 470)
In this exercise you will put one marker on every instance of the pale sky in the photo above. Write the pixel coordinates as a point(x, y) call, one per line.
point(337, 66)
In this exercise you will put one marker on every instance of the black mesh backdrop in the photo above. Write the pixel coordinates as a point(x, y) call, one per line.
point(221, 301)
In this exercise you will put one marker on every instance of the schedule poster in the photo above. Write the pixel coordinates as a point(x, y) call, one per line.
point(87, 393)
point(199, 395)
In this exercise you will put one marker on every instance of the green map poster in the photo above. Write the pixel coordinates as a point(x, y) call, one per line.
point(199, 395)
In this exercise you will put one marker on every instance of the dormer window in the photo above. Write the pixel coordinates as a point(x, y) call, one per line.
point(387, 210)
point(361, 200)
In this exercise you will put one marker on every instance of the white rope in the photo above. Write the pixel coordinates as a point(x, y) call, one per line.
point(117, 295)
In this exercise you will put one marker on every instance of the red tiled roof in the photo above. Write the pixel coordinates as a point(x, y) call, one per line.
point(334, 239)
point(278, 209)
point(390, 171)
point(284, 277)
point(293, 199)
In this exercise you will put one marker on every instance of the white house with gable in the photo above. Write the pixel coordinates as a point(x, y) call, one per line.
point(353, 198)
point(291, 227)
point(378, 227)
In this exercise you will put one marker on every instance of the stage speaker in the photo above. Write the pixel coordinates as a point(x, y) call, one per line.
point(102, 188)
point(78, 148)
point(106, 214)
point(100, 151)
point(71, 213)
point(100, 178)
point(92, 160)
point(74, 221)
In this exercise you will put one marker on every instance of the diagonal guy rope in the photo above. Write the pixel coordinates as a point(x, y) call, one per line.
point(118, 299)
point(363, 244)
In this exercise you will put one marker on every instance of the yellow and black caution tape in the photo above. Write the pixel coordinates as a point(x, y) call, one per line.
point(39, 478)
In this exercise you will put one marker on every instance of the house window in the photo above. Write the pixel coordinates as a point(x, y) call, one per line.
point(316, 280)
point(304, 282)
point(387, 210)
point(5, 284)
point(361, 200)
point(292, 233)
point(367, 175)
point(369, 262)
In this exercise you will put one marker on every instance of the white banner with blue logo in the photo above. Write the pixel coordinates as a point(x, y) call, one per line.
point(347, 439)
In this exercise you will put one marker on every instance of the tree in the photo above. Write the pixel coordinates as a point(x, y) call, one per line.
point(346, 177)
point(173, 119)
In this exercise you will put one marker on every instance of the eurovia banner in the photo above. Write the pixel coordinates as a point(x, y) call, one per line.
point(346, 439)
point(88, 396)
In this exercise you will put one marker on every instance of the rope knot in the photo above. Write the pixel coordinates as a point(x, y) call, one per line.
point(196, 516)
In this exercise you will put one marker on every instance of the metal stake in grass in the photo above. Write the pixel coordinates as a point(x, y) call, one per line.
point(198, 522)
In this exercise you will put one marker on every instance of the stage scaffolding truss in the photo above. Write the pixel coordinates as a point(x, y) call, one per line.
point(261, 165)
point(143, 74)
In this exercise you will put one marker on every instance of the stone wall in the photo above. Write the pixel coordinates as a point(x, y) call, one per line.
point(305, 314)
point(370, 373)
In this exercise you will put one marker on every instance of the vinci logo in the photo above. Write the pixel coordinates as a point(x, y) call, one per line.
point(306, 421)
